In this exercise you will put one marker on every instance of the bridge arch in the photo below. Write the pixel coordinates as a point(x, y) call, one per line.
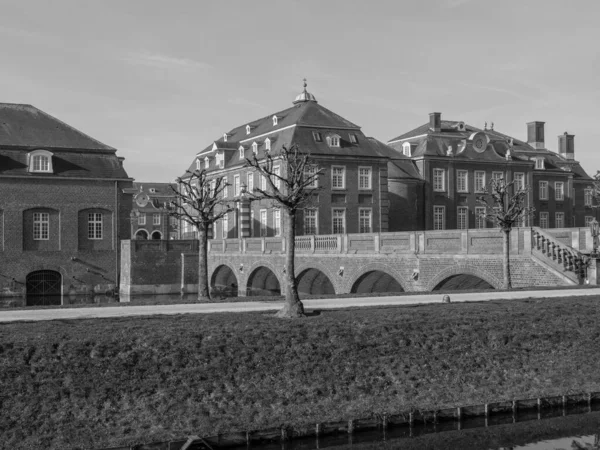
point(315, 279)
point(223, 279)
point(468, 270)
point(262, 280)
point(376, 277)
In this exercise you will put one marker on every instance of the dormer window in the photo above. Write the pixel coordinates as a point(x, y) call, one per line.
point(353, 139)
point(317, 136)
point(248, 129)
point(197, 164)
point(220, 157)
point(225, 136)
point(406, 149)
point(40, 161)
point(539, 163)
point(241, 150)
point(206, 162)
point(275, 119)
point(267, 144)
point(333, 140)
point(254, 148)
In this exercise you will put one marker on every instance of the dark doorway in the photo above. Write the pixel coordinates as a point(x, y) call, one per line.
point(43, 287)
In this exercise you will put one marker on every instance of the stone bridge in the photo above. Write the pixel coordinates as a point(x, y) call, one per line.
point(363, 263)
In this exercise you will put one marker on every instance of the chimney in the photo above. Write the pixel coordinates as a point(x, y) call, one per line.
point(566, 145)
point(535, 134)
point(435, 121)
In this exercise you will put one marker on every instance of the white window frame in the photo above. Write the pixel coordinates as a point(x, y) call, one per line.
point(198, 164)
point(268, 144)
point(206, 163)
point(337, 177)
point(263, 223)
point(311, 215)
point(539, 163)
point(479, 177)
point(543, 186)
point(588, 196)
point(368, 214)
point(544, 219)
point(333, 140)
point(439, 180)
point(519, 178)
point(250, 182)
point(335, 228)
point(241, 152)
point(497, 175)
point(439, 212)
point(248, 129)
point(41, 226)
point(155, 219)
point(225, 187)
point(263, 182)
point(309, 171)
point(40, 161)
point(95, 226)
point(275, 119)
point(407, 149)
point(353, 138)
point(237, 188)
point(462, 185)
point(317, 136)
point(559, 219)
point(368, 177)
point(142, 219)
point(559, 194)
point(255, 148)
point(277, 222)
point(462, 218)
point(276, 181)
point(480, 220)
point(251, 223)
point(225, 226)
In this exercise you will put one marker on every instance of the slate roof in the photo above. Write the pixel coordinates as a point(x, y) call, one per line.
point(24, 128)
point(399, 166)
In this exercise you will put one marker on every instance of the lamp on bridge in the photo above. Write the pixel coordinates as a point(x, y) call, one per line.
point(595, 231)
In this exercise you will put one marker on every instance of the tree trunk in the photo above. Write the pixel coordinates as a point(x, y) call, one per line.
point(506, 258)
point(293, 306)
point(203, 288)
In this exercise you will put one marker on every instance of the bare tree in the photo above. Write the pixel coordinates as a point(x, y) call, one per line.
point(506, 206)
point(199, 202)
point(291, 182)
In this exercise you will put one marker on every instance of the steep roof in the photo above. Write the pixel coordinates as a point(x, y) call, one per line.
point(399, 166)
point(25, 126)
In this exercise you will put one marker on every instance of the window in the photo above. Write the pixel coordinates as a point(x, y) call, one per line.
point(317, 136)
point(275, 120)
point(142, 219)
point(220, 157)
point(543, 190)
point(40, 161)
point(353, 139)
point(41, 226)
point(225, 187)
point(248, 129)
point(559, 220)
point(213, 186)
point(333, 140)
point(339, 220)
point(519, 180)
point(155, 219)
point(439, 213)
point(206, 162)
point(365, 220)
point(263, 222)
point(463, 218)
point(225, 228)
point(241, 150)
point(311, 171)
point(497, 176)
point(236, 186)
point(539, 163)
point(277, 222)
point(263, 183)
point(310, 221)
point(587, 197)
point(462, 181)
point(254, 148)
point(588, 220)
point(268, 144)
point(406, 149)
point(559, 191)
point(364, 178)
point(276, 175)
point(198, 166)
point(439, 180)
point(225, 136)
point(94, 226)
point(479, 181)
point(250, 184)
point(480, 218)
point(543, 220)
point(251, 223)
point(338, 177)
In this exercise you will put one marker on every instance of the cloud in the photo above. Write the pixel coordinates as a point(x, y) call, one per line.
point(164, 61)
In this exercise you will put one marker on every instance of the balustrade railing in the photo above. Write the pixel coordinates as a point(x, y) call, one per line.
point(327, 243)
point(558, 253)
point(303, 243)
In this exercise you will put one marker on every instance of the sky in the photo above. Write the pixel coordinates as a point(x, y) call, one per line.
point(161, 80)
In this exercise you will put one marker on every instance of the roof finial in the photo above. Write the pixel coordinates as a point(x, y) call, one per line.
point(305, 96)
point(304, 79)
point(492, 126)
point(485, 126)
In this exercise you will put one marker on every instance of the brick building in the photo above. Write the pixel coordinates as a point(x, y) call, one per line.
point(62, 207)
point(354, 182)
point(456, 161)
point(149, 215)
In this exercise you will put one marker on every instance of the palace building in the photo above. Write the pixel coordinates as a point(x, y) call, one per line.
point(149, 215)
point(63, 211)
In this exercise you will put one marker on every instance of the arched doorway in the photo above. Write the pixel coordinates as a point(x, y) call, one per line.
point(43, 287)
point(376, 281)
point(462, 282)
point(224, 282)
point(263, 282)
point(314, 282)
point(141, 234)
point(156, 235)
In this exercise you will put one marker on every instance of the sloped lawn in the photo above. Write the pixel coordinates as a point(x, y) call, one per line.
point(108, 382)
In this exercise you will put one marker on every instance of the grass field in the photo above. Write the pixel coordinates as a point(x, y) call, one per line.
point(108, 382)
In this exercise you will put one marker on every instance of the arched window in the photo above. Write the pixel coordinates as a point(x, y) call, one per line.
point(267, 144)
point(254, 148)
point(333, 140)
point(275, 119)
point(241, 150)
point(40, 161)
point(406, 150)
point(198, 164)
point(206, 162)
